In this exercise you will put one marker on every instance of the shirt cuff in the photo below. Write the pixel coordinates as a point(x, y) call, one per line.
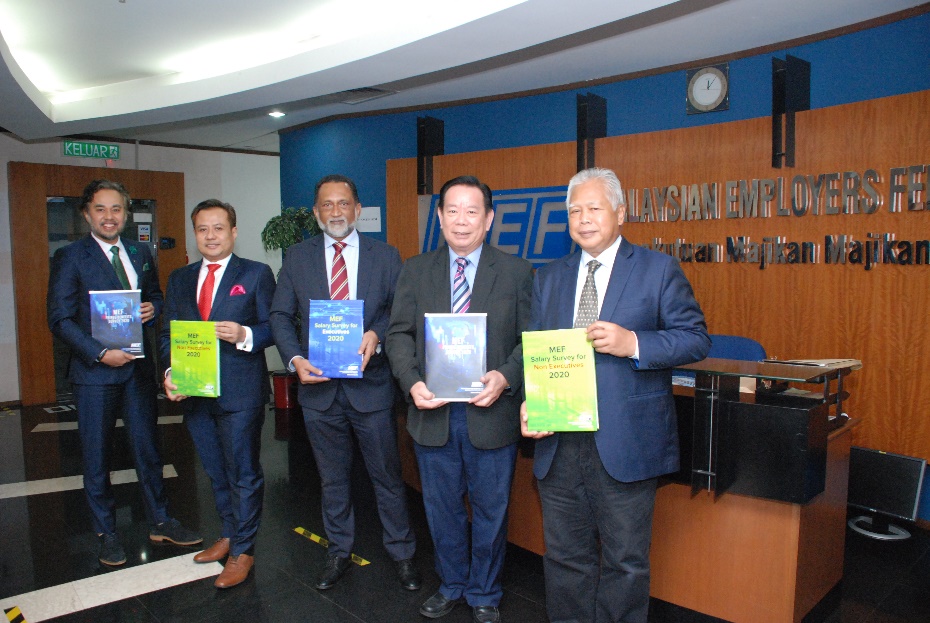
point(246, 344)
point(636, 351)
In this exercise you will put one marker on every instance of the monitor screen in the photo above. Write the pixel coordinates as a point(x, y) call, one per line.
point(885, 483)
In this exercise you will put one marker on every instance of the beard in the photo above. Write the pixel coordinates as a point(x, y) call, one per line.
point(338, 231)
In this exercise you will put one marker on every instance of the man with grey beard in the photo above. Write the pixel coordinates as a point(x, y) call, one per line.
point(341, 264)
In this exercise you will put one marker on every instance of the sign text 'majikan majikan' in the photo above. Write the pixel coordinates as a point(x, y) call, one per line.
point(847, 192)
point(875, 249)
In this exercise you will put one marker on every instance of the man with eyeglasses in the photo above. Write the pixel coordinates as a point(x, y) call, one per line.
point(341, 264)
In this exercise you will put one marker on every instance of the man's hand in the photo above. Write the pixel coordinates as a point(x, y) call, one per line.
point(116, 358)
point(494, 385)
point(611, 339)
point(229, 331)
point(532, 434)
point(170, 389)
point(147, 310)
point(307, 372)
point(367, 349)
point(423, 398)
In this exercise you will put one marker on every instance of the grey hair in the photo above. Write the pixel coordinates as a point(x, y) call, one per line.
point(611, 185)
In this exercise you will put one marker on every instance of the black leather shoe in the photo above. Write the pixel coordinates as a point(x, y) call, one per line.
point(408, 575)
point(111, 552)
point(334, 568)
point(438, 605)
point(485, 614)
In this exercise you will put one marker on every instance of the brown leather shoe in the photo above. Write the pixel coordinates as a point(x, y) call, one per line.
point(236, 571)
point(217, 551)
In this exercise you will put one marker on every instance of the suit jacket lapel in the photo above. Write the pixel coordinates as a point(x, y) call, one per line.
point(623, 268)
point(440, 280)
point(136, 259)
point(230, 276)
point(362, 277)
point(569, 283)
point(319, 288)
point(484, 280)
point(102, 261)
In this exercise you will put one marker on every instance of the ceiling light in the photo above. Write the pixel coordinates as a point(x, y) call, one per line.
point(276, 114)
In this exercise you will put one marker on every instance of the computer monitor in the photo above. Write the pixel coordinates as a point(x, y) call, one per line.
point(888, 486)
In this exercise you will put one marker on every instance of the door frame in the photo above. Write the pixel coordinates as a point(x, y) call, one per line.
point(30, 184)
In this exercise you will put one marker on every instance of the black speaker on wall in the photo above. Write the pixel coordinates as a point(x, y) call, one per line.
point(431, 142)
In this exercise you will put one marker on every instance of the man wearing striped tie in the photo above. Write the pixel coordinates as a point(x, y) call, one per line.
point(341, 264)
point(464, 448)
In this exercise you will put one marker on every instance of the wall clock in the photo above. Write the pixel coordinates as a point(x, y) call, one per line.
point(708, 89)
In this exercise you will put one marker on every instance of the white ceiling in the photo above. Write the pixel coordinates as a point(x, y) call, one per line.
point(207, 72)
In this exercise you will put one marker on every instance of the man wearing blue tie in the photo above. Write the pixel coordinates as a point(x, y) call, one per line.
point(464, 448)
point(235, 294)
point(109, 383)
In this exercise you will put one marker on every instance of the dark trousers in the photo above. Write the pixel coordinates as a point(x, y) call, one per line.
point(448, 473)
point(229, 445)
point(597, 533)
point(330, 434)
point(98, 408)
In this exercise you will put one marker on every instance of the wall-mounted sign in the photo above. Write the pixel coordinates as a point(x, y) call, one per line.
point(79, 149)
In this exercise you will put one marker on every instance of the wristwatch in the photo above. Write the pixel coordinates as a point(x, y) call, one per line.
point(101, 355)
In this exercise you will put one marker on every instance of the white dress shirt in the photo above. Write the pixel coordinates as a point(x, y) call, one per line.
point(124, 258)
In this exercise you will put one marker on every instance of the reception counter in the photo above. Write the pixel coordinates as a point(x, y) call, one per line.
point(742, 557)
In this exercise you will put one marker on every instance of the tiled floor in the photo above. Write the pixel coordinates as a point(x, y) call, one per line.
point(45, 541)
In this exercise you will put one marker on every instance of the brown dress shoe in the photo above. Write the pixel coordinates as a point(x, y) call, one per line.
point(236, 571)
point(215, 552)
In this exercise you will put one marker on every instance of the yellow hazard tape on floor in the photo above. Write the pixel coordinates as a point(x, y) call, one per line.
point(318, 539)
point(13, 615)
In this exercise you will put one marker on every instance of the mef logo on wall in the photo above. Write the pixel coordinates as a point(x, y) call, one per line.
point(531, 223)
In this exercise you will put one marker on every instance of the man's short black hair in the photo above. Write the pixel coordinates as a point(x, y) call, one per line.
point(336, 178)
point(96, 186)
point(467, 180)
point(214, 203)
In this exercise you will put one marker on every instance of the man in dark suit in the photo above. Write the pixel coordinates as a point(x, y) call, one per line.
point(464, 448)
point(341, 264)
point(111, 382)
point(598, 489)
point(235, 293)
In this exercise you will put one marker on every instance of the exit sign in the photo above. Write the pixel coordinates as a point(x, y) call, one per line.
point(90, 150)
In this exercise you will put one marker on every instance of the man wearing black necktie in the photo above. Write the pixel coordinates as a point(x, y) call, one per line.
point(342, 264)
point(235, 293)
point(464, 448)
point(110, 383)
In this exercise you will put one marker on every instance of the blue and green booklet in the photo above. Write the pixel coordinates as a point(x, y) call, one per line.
point(116, 319)
point(195, 358)
point(559, 380)
point(335, 335)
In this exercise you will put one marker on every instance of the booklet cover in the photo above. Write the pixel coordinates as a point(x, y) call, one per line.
point(561, 386)
point(336, 329)
point(116, 319)
point(456, 355)
point(195, 358)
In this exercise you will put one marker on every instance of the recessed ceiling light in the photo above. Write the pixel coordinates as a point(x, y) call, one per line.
point(276, 114)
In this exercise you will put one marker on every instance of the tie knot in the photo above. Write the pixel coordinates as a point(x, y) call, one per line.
point(114, 250)
point(339, 246)
point(212, 267)
point(461, 262)
point(593, 265)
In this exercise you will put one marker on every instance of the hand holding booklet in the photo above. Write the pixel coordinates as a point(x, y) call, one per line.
point(560, 381)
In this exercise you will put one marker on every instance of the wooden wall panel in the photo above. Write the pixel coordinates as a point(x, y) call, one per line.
point(812, 311)
point(401, 197)
point(29, 185)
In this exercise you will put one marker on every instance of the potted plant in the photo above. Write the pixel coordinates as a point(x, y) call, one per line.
point(280, 232)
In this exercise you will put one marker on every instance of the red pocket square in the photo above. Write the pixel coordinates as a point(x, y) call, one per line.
point(237, 290)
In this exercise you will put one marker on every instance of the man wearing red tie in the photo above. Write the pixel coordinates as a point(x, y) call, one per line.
point(341, 264)
point(236, 294)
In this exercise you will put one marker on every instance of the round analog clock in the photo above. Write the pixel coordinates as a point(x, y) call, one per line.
point(708, 89)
